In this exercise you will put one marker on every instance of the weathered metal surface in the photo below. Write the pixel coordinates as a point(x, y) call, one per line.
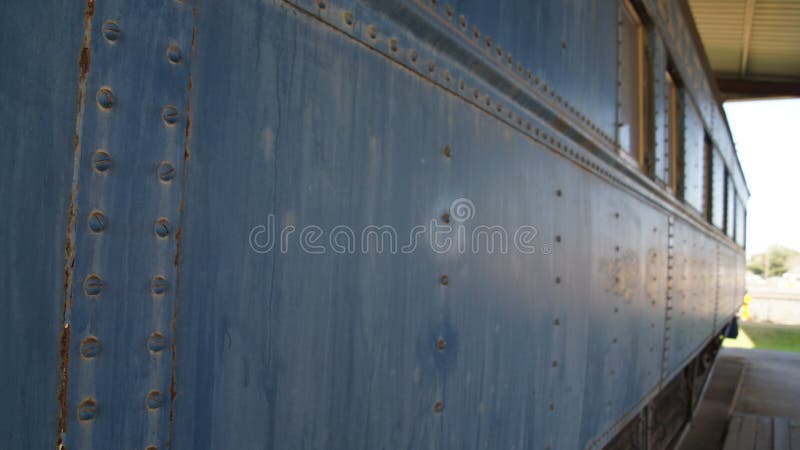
point(38, 91)
point(129, 178)
point(198, 122)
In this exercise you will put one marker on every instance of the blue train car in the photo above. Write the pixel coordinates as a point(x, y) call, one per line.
point(377, 224)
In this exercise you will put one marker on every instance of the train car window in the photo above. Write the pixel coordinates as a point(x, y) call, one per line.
point(741, 222)
point(673, 119)
point(730, 208)
point(717, 188)
point(708, 189)
point(694, 161)
point(630, 112)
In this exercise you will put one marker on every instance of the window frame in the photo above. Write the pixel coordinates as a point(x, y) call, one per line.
point(638, 150)
point(674, 120)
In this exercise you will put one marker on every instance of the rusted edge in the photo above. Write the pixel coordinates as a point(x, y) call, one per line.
point(84, 62)
point(173, 385)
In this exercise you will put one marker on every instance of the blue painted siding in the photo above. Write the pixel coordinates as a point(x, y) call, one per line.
point(197, 121)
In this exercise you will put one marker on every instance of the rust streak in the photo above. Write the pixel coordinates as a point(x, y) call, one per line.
point(84, 62)
point(173, 386)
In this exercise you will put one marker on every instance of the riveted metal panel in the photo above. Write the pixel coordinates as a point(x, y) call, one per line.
point(626, 326)
point(691, 311)
point(578, 34)
point(128, 186)
point(523, 334)
point(196, 124)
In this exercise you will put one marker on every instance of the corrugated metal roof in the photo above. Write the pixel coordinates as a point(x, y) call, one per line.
point(750, 39)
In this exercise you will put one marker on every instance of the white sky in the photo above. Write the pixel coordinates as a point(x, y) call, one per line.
point(767, 136)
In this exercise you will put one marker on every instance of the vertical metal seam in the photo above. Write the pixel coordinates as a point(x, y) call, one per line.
point(84, 62)
point(718, 271)
point(179, 233)
point(670, 294)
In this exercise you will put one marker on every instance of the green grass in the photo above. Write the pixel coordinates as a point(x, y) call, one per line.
point(766, 336)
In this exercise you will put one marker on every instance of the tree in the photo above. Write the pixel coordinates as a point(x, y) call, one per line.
point(774, 263)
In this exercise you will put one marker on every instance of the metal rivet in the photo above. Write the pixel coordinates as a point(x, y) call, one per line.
point(105, 98)
point(156, 342)
point(170, 115)
point(555, 363)
point(372, 32)
point(166, 172)
point(155, 400)
point(558, 238)
point(552, 406)
point(447, 151)
point(556, 322)
point(101, 161)
point(151, 447)
point(441, 344)
point(174, 53)
point(93, 285)
point(558, 192)
point(97, 222)
point(111, 31)
point(321, 4)
point(393, 45)
point(159, 285)
point(616, 215)
point(446, 217)
point(90, 347)
point(558, 280)
point(438, 407)
point(87, 409)
point(412, 55)
point(348, 18)
point(444, 280)
point(162, 227)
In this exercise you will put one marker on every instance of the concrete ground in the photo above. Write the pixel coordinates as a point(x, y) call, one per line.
point(752, 402)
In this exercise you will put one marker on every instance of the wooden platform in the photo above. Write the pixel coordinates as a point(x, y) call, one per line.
point(750, 432)
point(752, 402)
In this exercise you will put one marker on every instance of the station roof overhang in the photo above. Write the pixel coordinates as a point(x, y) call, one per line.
point(753, 46)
